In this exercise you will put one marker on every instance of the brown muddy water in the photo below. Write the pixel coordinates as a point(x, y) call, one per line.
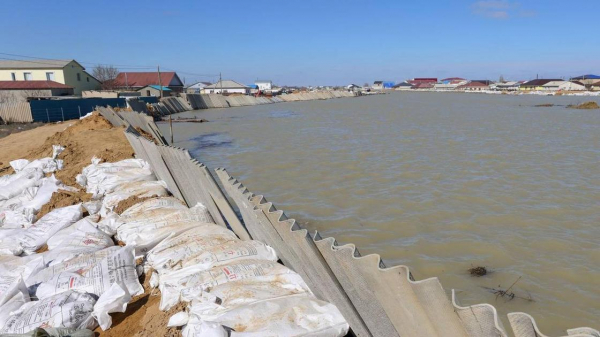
point(439, 182)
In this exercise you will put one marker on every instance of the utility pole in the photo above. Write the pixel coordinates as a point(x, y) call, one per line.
point(161, 96)
point(221, 82)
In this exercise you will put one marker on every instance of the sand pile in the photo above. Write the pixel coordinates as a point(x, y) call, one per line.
point(585, 105)
point(84, 139)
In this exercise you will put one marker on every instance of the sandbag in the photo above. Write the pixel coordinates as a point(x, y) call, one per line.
point(11, 286)
point(118, 267)
point(82, 234)
point(79, 263)
point(138, 189)
point(293, 315)
point(69, 309)
point(100, 179)
point(176, 248)
point(171, 284)
point(54, 332)
point(152, 207)
point(115, 299)
point(19, 182)
point(13, 304)
point(37, 235)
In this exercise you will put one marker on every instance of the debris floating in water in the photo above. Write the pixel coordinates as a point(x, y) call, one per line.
point(478, 271)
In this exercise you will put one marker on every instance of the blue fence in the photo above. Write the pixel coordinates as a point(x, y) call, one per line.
point(65, 109)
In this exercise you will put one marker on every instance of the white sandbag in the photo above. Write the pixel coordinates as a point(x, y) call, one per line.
point(144, 241)
point(13, 304)
point(176, 248)
point(113, 300)
point(47, 165)
point(11, 286)
point(149, 207)
point(69, 309)
point(172, 283)
point(153, 228)
point(21, 266)
point(8, 244)
point(82, 234)
point(139, 189)
point(80, 263)
point(19, 182)
point(227, 253)
point(294, 315)
point(37, 235)
point(118, 267)
point(100, 179)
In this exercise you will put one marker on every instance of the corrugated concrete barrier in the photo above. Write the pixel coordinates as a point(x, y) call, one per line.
point(19, 112)
point(134, 119)
point(374, 299)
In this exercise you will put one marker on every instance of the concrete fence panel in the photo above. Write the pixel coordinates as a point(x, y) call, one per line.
point(19, 112)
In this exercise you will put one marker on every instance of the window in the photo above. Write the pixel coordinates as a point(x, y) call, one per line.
point(27, 76)
point(14, 76)
point(50, 76)
point(148, 93)
point(88, 79)
point(78, 76)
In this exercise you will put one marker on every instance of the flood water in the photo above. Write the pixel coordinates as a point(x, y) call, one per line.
point(439, 182)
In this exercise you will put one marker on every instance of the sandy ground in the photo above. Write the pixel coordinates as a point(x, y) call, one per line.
point(92, 136)
point(8, 129)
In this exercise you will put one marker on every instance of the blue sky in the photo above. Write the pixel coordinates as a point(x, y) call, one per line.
point(313, 42)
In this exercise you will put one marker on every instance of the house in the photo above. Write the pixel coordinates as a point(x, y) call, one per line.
point(226, 87)
point(507, 86)
point(67, 72)
point(418, 80)
point(264, 85)
point(536, 84)
point(423, 85)
point(154, 90)
point(452, 80)
point(138, 80)
point(403, 86)
point(352, 87)
point(587, 80)
point(377, 85)
point(474, 86)
point(595, 86)
point(196, 88)
point(563, 85)
point(20, 91)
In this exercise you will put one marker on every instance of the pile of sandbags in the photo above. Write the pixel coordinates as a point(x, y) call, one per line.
point(77, 264)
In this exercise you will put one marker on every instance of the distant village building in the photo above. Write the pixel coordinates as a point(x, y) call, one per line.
point(20, 91)
point(352, 87)
point(595, 86)
point(196, 88)
point(137, 80)
point(380, 85)
point(507, 86)
point(537, 84)
point(419, 80)
point(563, 85)
point(452, 80)
point(423, 85)
point(226, 87)
point(154, 90)
point(67, 72)
point(587, 80)
point(474, 86)
point(403, 86)
point(264, 85)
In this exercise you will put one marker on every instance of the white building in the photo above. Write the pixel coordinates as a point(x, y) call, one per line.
point(563, 85)
point(264, 85)
point(506, 86)
point(196, 88)
point(226, 87)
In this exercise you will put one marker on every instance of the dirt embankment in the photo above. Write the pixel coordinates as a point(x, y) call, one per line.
point(585, 105)
point(84, 139)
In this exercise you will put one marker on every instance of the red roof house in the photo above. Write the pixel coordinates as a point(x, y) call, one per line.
point(32, 85)
point(138, 80)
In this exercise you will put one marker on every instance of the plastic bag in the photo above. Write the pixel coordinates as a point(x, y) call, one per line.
point(69, 309)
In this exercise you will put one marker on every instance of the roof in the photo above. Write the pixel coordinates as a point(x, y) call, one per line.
point(423, 85)
point(597, 84)
point(378, 82)
point(475, 84)
point(32, 85)
point(226, 84)
point(452, 79)
point(35, 64)
point(508, 84)
point(142, 79)
point(403, 84)
point(157, 87)
point(263, 81)
point(199, 85)
point(587, 77)
point(253, 86)
point(538, 82)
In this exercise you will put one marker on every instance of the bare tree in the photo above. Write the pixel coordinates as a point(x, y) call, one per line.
point(106, 75)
